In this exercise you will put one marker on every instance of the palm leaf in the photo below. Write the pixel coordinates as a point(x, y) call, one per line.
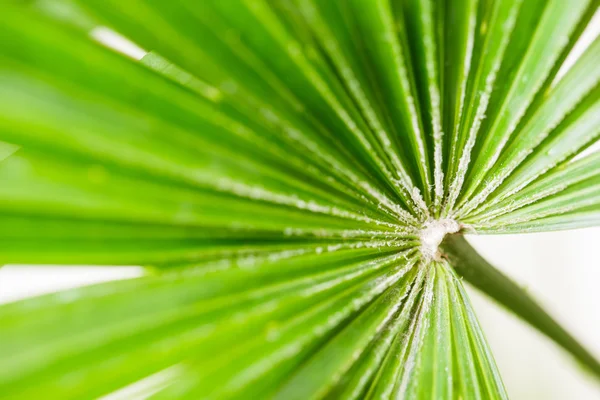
point(287, 171)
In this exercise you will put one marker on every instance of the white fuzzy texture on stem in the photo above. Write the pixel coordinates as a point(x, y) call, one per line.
point(433, 233)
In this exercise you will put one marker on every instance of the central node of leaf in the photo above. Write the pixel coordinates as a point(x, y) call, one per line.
point(432, 234)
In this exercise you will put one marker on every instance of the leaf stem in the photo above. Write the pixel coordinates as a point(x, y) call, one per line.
point(481, 274)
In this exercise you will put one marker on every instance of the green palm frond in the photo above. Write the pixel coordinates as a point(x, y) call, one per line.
point(296, 177)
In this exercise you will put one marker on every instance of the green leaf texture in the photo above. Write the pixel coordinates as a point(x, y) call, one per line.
point(285, 170)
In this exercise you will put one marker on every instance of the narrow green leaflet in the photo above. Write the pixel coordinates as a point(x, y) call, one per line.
point(178, 329)
point(565, 123)
point(468, 111)
point(546, 46)
point(295, 177)
point(162, 322)
point(552, 184)
point(420, 18)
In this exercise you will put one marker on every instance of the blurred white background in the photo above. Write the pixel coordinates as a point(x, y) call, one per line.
point(562, 271)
